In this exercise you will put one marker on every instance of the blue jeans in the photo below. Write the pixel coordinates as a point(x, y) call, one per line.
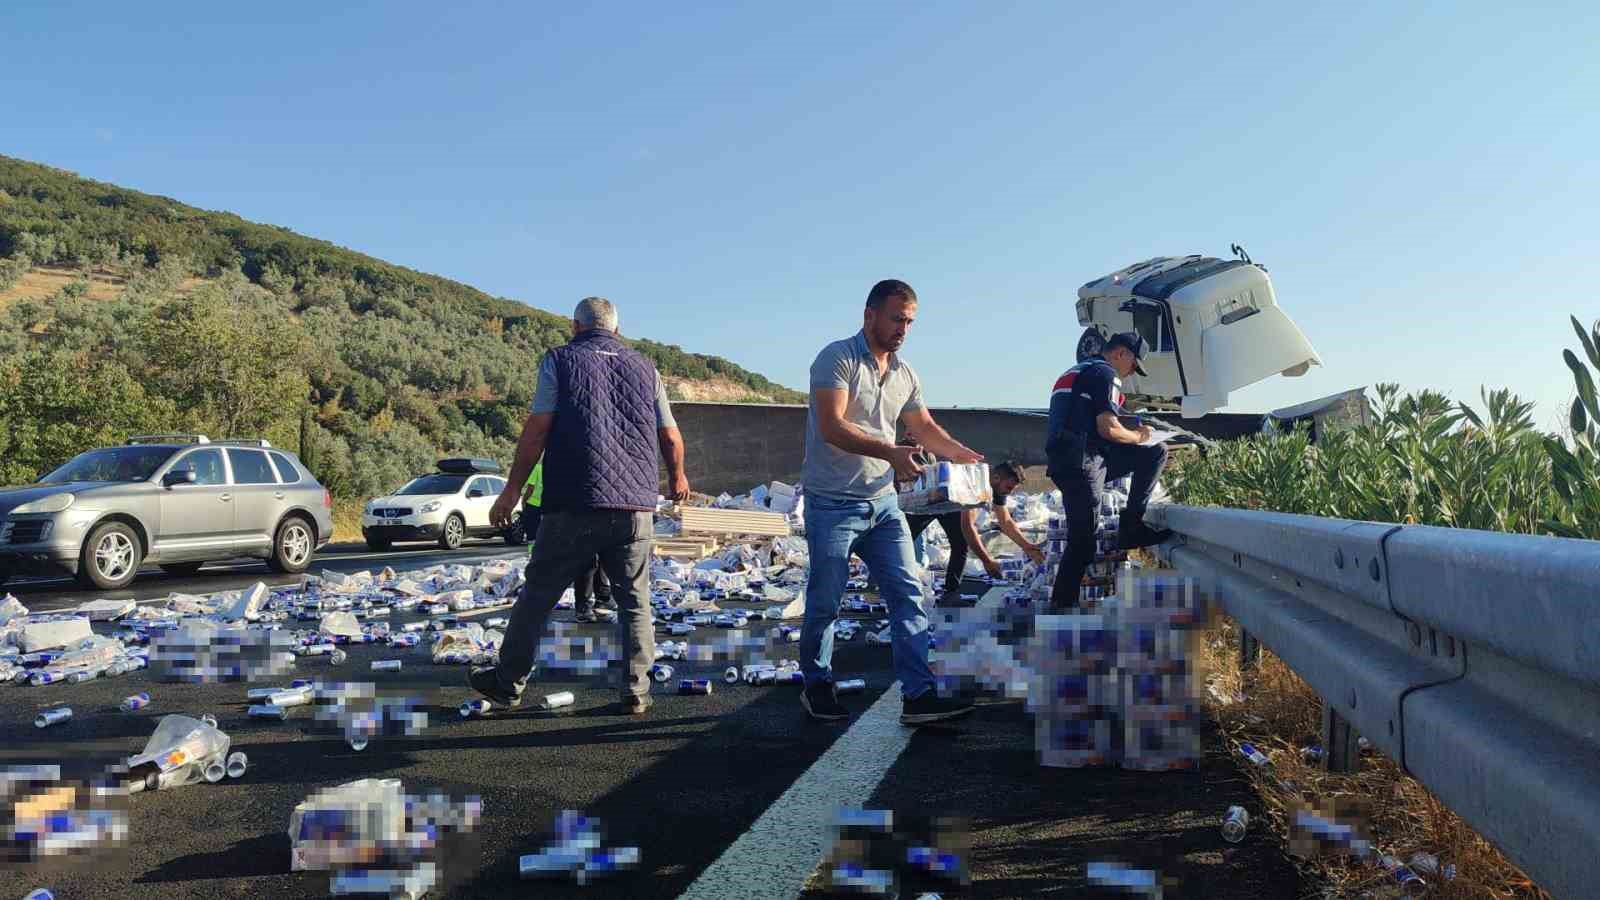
point(876, 531)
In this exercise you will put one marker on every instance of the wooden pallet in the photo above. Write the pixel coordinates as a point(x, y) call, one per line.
point(734, 521)
point(694, 548)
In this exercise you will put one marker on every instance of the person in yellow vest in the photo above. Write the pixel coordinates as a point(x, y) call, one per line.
point(592, 589)
point(532, 494)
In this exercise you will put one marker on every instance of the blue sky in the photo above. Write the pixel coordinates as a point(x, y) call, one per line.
point(1421, 179)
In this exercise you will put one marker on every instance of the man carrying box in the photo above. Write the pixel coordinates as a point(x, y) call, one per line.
point(860, 390)
point(961, 528)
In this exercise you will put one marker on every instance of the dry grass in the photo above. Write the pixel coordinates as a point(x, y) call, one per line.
point(1280, 714)
point(346, 520)
point(43, 282)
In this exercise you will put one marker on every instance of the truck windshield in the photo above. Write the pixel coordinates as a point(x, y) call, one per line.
point(433, 484)
point(111, 464)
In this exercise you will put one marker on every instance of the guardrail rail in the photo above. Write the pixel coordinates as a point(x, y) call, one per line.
point(1472, 658)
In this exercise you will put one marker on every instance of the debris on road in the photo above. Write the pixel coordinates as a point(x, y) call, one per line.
point(578, 852)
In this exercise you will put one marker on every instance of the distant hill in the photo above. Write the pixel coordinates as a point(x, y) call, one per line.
point(122, 311)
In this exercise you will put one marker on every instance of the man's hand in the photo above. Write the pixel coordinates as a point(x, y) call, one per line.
point(504, 506)
point(1145, 432)
point(1035, 554)
point(966, 455)
point(906, 467)
point(680, 488)
point(992, 567)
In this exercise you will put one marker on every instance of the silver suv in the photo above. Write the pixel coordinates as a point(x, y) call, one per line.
point(176, 500)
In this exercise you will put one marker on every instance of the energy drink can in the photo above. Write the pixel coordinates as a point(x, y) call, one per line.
point(137, 701)
point(694, 686)
point(386, 665)
point(52, 717)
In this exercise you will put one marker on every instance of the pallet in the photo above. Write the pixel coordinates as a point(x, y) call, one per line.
point(696, 548)
point(734, 521)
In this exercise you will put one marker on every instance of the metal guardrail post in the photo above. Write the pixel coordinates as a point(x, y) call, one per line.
point(1341, 745)
point(1249, 651)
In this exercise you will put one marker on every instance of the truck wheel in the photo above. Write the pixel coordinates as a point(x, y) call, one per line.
point(1090, 344)
point(292, 546)
point(110, 557)
point(455, 531)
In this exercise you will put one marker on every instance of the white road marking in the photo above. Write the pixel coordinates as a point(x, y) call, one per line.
point(783, 847)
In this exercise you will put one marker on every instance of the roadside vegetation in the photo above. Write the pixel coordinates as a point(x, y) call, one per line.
point(1419, 460)
point(231, 328)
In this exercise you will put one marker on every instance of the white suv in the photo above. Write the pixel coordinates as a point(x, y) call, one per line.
point(447, 506)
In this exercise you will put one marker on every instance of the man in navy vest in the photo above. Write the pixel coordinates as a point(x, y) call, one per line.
point(599, 420)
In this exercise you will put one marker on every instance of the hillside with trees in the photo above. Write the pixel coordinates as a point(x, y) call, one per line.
point(172, 318)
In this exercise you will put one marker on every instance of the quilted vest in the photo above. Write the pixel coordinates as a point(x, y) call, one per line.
point(603, 446)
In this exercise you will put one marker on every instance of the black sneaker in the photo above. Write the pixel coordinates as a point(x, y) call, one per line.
point(1132, 532)
point(484, 682)
point(930, 707)
point(821, 702)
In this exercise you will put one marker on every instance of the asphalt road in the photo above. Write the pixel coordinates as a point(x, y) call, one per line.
point(682, 783)
point(41, 594)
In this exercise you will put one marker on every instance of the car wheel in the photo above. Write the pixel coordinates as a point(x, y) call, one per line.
point(110, 557)
point(292, 546)
point(1090, 344)
point(378, 544)
point(184, 568)
point(455, 531)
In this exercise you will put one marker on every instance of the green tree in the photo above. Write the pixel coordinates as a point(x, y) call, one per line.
point(234, 370)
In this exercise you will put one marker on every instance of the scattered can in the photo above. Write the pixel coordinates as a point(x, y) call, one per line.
point(660, 673)
point(137, 701)
point(386, 665)
point(1249, 751)
point(357, 742)
point(317, 650)
point(1235, 824)
point(694, 686)
point(50, 717)
point(337, 657)
point(850, 686)
point(215, 771)
point(268, 711)
point(209, 719)
point(40, 894)
point(237, 763)
point(557, 701)
point(82, 675)
point(474, 708)
point(730, 675)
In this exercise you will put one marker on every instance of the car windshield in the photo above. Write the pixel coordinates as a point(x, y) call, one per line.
point(433, 484)
point(111, 464)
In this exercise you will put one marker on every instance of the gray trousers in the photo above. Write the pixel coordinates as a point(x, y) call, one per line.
point(567, 544)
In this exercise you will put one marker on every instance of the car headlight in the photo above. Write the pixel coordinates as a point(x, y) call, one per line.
point(52, 504)
point(430, 506)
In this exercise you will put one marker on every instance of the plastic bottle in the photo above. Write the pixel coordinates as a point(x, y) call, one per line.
point(1235, 824)
point(237, 763)
point(137, 701)
point(50, 717)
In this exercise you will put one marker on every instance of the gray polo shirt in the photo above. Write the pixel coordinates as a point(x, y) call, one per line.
point(874, 406)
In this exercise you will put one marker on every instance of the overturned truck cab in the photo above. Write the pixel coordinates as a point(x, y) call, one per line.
point(1212, 326)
